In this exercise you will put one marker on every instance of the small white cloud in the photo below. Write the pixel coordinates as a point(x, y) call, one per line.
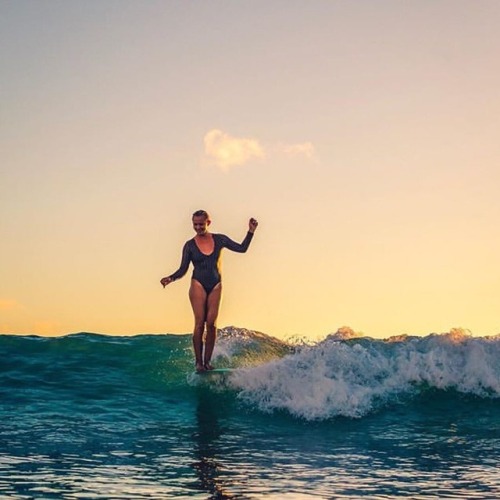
point(225, 151)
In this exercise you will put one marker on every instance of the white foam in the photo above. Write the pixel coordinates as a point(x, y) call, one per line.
point(339, 378)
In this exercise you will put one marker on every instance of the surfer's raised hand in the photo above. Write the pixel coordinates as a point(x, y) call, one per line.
point(252, 225)
point(165, 281)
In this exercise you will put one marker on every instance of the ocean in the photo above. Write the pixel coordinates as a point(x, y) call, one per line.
point(90, 416)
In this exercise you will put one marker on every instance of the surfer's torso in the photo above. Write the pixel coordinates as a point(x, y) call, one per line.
point(207, 266)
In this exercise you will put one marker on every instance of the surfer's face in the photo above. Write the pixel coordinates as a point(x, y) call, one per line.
point(200, 224)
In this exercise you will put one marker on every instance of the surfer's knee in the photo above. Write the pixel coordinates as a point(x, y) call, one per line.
point(212, 314)
point(211, 324)
point(199, 326)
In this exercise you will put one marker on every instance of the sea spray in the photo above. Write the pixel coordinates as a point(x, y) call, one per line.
point(353, 377)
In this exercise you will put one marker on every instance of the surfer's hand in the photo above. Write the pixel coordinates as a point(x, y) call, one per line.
point(165, 281)
point(252, 225)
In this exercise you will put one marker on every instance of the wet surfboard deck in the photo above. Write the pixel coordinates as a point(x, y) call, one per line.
point(216, 371)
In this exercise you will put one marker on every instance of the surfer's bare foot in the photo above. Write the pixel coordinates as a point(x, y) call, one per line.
point(208, 366)
point(200, 368)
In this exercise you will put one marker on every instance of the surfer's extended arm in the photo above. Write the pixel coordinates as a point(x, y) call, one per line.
point(186, 258)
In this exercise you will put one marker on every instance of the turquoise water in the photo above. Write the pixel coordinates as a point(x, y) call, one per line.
point(91, 416)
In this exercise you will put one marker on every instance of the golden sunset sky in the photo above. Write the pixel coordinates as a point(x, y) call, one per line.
point(363, 135)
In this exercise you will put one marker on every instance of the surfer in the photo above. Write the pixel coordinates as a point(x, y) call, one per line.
point(204, 251)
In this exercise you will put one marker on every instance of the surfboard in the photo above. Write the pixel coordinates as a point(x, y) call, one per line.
point(216, 371)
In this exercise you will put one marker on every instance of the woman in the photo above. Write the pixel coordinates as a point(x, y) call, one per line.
point(204, 251)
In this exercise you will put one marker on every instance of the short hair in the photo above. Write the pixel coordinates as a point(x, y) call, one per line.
point(201, 213)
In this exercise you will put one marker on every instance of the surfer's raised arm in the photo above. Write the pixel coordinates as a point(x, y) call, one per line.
point(243, 246)
point(204, 251)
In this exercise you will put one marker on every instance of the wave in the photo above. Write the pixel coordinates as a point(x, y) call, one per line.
point(342, 376)
point(348, 376)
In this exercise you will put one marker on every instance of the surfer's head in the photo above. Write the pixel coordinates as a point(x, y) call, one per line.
point(201, 221)
point(201, 213)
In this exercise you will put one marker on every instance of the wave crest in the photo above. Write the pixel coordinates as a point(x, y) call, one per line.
point(354, 377)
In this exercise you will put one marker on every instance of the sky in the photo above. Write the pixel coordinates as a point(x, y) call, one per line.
point(363, 136)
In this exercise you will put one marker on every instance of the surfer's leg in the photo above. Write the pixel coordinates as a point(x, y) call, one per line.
point(198, 298)
point(213, 303)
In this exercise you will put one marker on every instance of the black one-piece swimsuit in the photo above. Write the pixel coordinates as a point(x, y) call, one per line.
point(207, 267)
